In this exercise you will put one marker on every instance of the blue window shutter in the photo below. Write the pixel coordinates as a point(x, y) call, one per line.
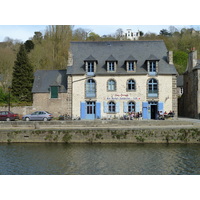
point(145, 110)
point(105, 107)
point(125, 107)
point(98, 110)
point(83, 114)
point(137, 107)
point(117, 107)
point(161, 106)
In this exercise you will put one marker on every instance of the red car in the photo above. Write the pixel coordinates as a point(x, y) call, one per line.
point(8, 116)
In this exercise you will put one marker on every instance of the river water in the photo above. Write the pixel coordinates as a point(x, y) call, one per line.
point(99, 159)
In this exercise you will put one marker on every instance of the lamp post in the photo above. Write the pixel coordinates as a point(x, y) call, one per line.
point(9, 89)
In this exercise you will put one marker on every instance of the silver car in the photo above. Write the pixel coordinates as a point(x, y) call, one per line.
point(38, 116)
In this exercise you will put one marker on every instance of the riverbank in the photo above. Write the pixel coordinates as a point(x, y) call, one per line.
point(102, 131)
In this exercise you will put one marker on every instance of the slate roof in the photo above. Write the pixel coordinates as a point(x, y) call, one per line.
point(131, 58)
point(90, 58)
point(45, 78)
point(120, 51)
point(111, 58)
point(152, 57)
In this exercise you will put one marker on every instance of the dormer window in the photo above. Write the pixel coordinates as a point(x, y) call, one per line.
point(111, 64)
point(130, 64)
point(90, 65)
point(152, 65)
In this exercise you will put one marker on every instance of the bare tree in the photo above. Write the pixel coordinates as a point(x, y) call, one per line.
point(119, 33)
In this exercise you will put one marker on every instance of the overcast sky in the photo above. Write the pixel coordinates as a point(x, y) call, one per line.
point(24, 32)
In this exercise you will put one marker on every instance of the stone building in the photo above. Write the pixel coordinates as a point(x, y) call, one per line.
point(110, 79)
point(180, 86)
point(50, 92)
point(190, 100)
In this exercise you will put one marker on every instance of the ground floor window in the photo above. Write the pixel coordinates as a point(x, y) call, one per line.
point(111, 107)
point(131, 106)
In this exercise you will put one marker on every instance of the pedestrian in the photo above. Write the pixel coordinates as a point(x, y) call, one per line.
point(140, 115)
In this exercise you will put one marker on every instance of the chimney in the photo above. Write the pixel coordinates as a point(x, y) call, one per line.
point(192, 62)
point(170, 57)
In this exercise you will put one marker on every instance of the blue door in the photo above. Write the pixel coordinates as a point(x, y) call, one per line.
point(90, 109)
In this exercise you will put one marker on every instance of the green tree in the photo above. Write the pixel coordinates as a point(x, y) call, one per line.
point(22, 81)
point(37, 38)
point(93, 37)
point(57, 40)
point(29, 45)
point(180, 61)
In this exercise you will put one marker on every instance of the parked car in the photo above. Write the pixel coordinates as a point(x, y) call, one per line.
point(37, 116)
point(8, 116)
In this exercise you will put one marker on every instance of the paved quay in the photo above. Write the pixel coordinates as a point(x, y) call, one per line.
point(102, 124)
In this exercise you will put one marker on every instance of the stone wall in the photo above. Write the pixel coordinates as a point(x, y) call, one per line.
point(190, 95)
point(174, 95)
point(168, 135)
point(57, 106)
point(21, 110)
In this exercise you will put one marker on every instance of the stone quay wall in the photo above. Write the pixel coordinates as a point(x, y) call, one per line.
point(99, 132)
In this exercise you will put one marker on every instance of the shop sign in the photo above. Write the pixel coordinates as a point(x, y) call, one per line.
point(122, 97)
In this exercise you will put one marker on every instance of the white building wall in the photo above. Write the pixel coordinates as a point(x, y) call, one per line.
point(129, 34)
point(121, 95)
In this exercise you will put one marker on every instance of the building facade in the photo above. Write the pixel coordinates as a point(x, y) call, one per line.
point(51, 93)
point(111, 79)
point(190, 100)
point(130, 35)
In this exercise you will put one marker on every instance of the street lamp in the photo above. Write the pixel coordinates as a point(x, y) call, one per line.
point(9, 89)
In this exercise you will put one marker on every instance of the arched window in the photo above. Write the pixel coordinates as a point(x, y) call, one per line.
point(152, 88)
point(111, 85)
point(131, 85)
point(131, 106)
point(90, 88)
point(111, 107)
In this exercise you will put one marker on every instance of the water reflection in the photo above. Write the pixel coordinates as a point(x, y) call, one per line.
point(124, 159)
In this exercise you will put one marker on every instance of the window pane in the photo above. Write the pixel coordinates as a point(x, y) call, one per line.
point(111, 66)
point(131, 106)
point(131, 66)
point(111, 85)
point(111, 107)
point(152, 66)
point(131, 85)
point(90, 88)
point(90, 66)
